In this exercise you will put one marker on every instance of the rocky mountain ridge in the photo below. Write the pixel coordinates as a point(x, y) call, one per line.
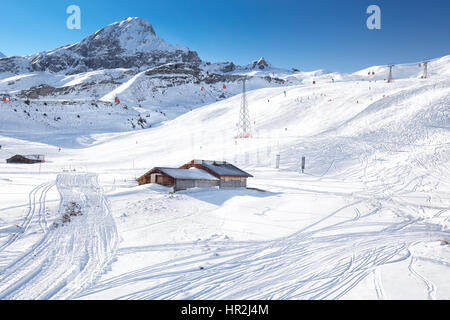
point(130, 43)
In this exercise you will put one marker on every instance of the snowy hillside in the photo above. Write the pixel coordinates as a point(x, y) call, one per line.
point(57, 103)
point(369, 218)
point(128, 61)
point(74, 88)
point(2, 55)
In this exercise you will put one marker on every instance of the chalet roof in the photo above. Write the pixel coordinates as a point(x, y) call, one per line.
point(33, 157)
point(187, 174)
point(29, 157)
point(223, 168)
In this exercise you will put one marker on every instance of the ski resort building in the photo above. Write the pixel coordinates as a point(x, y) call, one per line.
point(179, 179)
point(198, 174)
point(26, 159)
point(230, 176)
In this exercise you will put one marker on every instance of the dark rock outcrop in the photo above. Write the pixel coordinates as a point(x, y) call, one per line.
point(130, 43)
point(261, 64)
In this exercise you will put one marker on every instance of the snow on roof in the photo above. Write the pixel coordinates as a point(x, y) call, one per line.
point(223, 168)
point(188, 174)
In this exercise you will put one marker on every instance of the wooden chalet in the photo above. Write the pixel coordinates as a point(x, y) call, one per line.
point(29, 159)
point(179, 179)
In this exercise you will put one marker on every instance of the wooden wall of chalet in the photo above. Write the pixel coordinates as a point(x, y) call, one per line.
point(165, 180)
point(161, 178)
point(233, 182)
point(144, 180)
point(184, 184)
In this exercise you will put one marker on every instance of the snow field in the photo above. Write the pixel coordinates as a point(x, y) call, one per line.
point(68, 256)
point(366, 220)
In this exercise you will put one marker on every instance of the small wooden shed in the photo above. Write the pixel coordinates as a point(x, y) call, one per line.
point(179, 179)
point(29, 159)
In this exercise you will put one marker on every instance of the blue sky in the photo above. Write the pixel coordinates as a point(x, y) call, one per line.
point(305, 34)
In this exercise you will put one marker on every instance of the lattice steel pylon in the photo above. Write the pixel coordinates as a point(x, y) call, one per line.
point(390, 78)
point(425, 69)
point(244, 124)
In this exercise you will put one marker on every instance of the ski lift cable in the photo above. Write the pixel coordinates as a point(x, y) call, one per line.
point(409, 63)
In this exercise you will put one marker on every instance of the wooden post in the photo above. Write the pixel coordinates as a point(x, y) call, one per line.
point(278, 161)
point(303, 164)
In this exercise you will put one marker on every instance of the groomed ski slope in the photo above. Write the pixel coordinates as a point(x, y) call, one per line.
point(68, 256)
point(367, 220)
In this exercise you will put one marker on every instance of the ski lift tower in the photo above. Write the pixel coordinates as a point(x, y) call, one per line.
point(390, 78)
point(425, 69)
point(244, 125)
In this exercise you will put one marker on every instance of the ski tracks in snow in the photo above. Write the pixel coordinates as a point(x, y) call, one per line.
point(306, 265)
point(70, 257)
point(36, 211)
point(378, 285)
point(431, 288)
point(321, 261)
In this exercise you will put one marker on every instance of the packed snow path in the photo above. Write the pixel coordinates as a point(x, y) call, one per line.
point(69, 256)
point(36, 211)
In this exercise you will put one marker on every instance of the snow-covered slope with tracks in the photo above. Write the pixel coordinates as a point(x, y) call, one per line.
point(72, 252)
point(369, 219)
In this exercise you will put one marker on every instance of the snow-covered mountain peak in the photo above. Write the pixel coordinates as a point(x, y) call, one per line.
point(135, 21)
point(129, 36)
point(129, 43)
point(2, 55)
point(261, 63)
